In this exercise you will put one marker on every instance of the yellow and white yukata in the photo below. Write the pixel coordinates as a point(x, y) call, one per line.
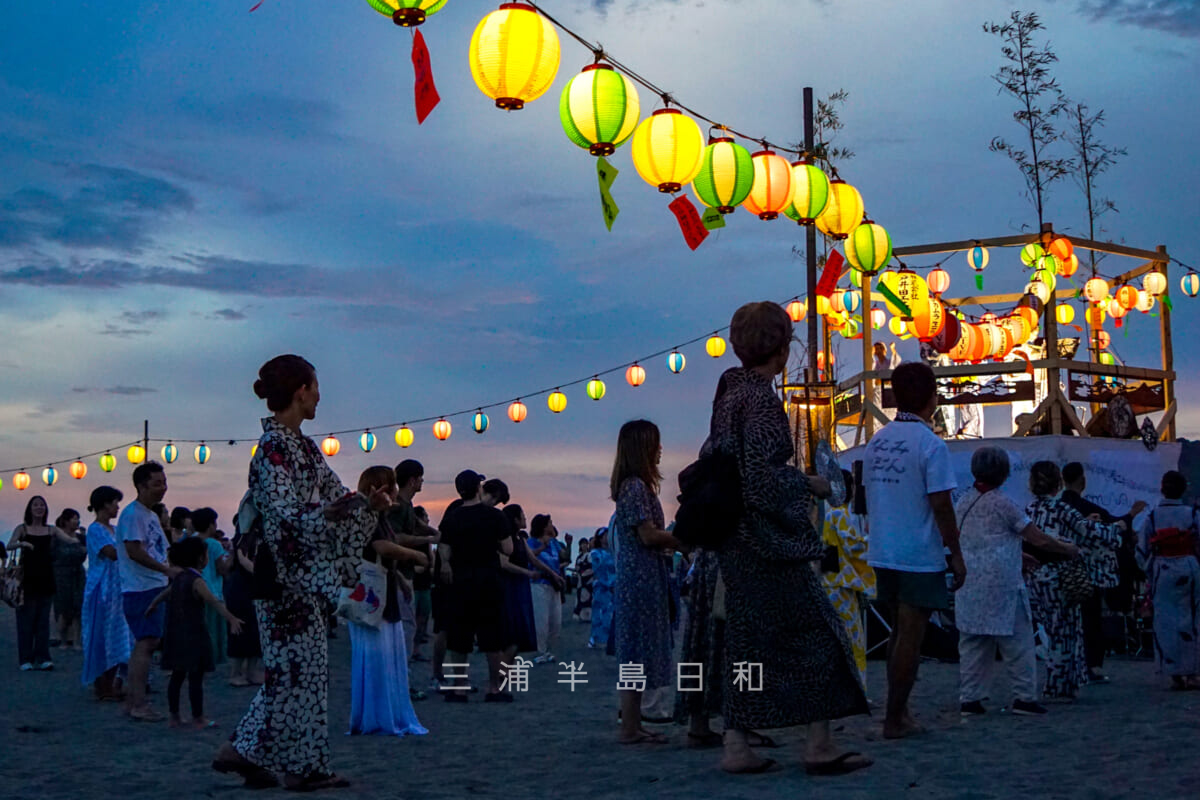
point(854, 582)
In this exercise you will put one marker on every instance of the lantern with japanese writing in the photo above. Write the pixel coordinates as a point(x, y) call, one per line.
point(1096, 290)
point(1145, 302)
point(949, 336)
point(596, 389)
point(599, 109)
point(843, 212)
point(676, 361)
point(21, 481)
point(557, 401)
point(938, 281)
point(514, 55)
point(367, 441)
point(868, 248)
point(407, 13)
point(1039, 290)
point(635, 376)
point(517, 411)
point(480, 422)
point(810, 193)
point(906, 287)
point(202, 453)
point(726, 175)
point(797, 310)
point(771, 191)
point(715, 346)
point(1116, 310)
point(1004, 344)
point(668, 150)
point(966, 342)
point(330, 446)
point(1155, 283)
point(442, 429)
point(108, 462)
point(404, 437)
point(1068, 267)
point(928, 318)
point(1018, 328)
point(78, 470)
point(1127, 297)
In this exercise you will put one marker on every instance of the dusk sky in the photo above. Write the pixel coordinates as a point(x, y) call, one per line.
point(189, 190)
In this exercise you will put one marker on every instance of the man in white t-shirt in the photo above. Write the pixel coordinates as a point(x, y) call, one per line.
point(144, 571)
point(908, 479)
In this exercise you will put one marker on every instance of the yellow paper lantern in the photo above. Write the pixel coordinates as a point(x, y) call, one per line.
point(897, 327)
point(517, 411)
point(136, 454)
point(599, 109)
point(1064, 314)
point(514, 55)
point(1096, 290)
point(557, 401)
point(442, 430)
point(772, 189)
point(868, 248)
point(668, 150)
point(824, 305)
point(1155, 283)
point(909, 287)
point(21, 481)
point(1095, 317)
point(844, 211)
point(715, 346)
point(404, 436)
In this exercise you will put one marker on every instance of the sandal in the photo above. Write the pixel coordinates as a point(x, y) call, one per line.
point(146, 715)
point(316, 782)
point(842, 765)
point(645, 737)
point(766, 765)
point(756, 739)
point(705, 740)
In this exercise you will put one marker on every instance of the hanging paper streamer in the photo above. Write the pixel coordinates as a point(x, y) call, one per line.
point(1165, 299)
point(712, 219)
point(979, 281)
point(607, 173)
point(256, 5)
point(1028, 364)
point(905, 311)
point(830, 275)
point(694, 232)
point(425, 93)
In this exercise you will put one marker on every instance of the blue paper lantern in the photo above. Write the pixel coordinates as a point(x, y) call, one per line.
point(367, 441)
point(480, 422)
point(203, 453)
point(170, 452)
point(49, 476)
point(676, 362)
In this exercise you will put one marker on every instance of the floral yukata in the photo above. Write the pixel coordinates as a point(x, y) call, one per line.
point(286, 728)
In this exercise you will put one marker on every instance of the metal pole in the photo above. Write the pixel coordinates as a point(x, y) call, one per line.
point(810, 249)
point(1053, 373)
point(1168, 347)
point(146, 437)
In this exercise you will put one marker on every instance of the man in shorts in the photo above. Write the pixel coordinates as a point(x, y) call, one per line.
point(908, 479)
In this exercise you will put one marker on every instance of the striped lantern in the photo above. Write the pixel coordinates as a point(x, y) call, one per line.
point(1190, 284)
point(78, 470)
point(204, 452)
point(49, 476)
point(772, 189)
point(21, 481)
point(938, 281)
point(1031, 252)
point(108, 462)
point(407, 13)
point(557, 401)
point(846, 301)
point(514, 55)
point(797, 310)
point(1127, 296)
point(868, 248)
point(1061, 248)
point(596, 389)
point(1068, 267)
point(442, 429)
point(810, 193)
point(978, 257)
point(635, 376)
point(1065, 314)
point(404, 437)
point(1155, 283)
point(599, 109)
point(1116, 310)
point(676, 362)
point(667, 150)
point(136, 454)
point(170, 453)
point(330, 446)
point(726, 175)
point(878, 318)
point(843, 213)
point(367, 441)
point(517, 411)
point(480, 422)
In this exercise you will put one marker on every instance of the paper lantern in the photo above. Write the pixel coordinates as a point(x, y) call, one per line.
point(797, 310)
point(367, 441)
point(1031, 252)
point(726, 175)
point(715, 346)
point(169, 452)
point(845, 301)
point(1155, 283)
point(1064, 314)
point(1029, 315)
point(668, 150)
point(1145, 302)
point(1018, 328)
point(599, 109)
point(836, 321)
point(878, 318)
point(442, 429)
point(810, 193)
point(843, 212)
point(480, 422)
point(203, 452)
point(108, 462)
point(821, 360)
point(1039, 290)
point(136, 454)
point(636, 375)
point(557, 401)
point(928, 319)
point(897, 327)
point(1068, 267)
point(1096, 290)
point(1127, 296)
point(991, 340)
point(1033, 303)
point(771, 191)
point(596, 388)
point(676, 361)
point(407, 13)
point(938, 281)
point(1116, 310)
point(330, 446)
point(404, 436)
point(1108, 359)
point(21, 481)
point(1190, 284)
point(1102, 339)
point(824, 306)
point(1004, 344)
point(948, 337)
point(514, 55)
point(852, 329)
point(1095, 317)
point(978, 257)
point(517, 411)
point(966, 343)
point(1061, 248)
point(78, 470)
point(1047, 277)
point(868, 248)
point(49, 476)
point(909, 288)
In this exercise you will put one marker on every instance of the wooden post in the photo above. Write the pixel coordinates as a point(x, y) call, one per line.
point(867, 386)
point(1168, 347)
point(1053, 373)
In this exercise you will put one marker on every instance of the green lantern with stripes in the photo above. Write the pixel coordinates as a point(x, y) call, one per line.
point(726, 175)
point(869, 248)
point(407, 13)
point(810, 195)
point(599, 109)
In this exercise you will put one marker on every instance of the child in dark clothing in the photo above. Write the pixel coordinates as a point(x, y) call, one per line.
point(187, 649)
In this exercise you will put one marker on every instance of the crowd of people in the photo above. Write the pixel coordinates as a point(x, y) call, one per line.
point(785, 592)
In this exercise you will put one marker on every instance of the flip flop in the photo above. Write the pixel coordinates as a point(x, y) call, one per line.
point(704, 740)
point(318, 782)
point(147, 716)
point(756, 739)
point(645, 737)
point(766, 765)
point(841, 765)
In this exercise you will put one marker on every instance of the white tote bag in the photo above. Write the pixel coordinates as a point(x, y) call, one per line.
point(363, 603)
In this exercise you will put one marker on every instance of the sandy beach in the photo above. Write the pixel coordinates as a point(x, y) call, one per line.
point(1131, 738)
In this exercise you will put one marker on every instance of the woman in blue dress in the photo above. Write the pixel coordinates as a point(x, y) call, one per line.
point(105, 633)
point(604, 579)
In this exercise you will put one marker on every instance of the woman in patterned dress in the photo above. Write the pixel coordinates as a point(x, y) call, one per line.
point(852, 586)
point(777, 614)
point(643, 608)
point(106, 638)
point(604, 579)
point(1066, 665)
point(310, 523)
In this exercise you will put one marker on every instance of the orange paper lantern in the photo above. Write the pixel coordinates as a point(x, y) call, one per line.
point(928, 319)
point(517, 411)
point(330, 446)
point(442, 430)
point(797, 310)
point(1127, 296)
point(78, 469)
point(772, 190)
point(21, 481)
point(635, 375)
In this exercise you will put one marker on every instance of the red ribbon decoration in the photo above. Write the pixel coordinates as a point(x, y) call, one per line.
point(694, 232)
point(425, 92)
point(829, 277)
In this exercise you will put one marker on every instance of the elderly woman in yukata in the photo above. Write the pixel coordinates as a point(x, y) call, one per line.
point(992, 608)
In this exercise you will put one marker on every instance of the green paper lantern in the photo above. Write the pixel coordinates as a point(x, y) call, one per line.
point(1031, 252)
point(596, 388)
point(726, 175)
point(810, 193)
point(108, 462)
point(869, 248)
point(407, 13)
point(599, 109)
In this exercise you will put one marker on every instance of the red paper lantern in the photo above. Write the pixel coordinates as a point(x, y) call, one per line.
point(949, 336)
point(517, 411)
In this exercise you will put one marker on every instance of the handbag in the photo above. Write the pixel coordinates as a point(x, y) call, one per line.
point(12, 578)
point(710, 501)
point(1074, 582)
point(363, 603)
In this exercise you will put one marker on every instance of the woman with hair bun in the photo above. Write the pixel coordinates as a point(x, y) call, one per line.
point(310, 521)
point(106, 639)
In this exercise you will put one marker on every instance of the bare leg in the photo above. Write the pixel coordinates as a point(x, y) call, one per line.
point(737, 755)
point(139, 670)
point(904, 656)
point(495, 671)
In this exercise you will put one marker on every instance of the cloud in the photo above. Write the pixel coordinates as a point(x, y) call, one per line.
point(124, 391)
point(121, 333)
point(228, 314)
point(108, 207)
point(264, 114)
point(1180, 17)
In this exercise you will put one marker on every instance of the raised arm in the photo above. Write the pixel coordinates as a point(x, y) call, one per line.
point(1034, 535)
point(204, 593)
